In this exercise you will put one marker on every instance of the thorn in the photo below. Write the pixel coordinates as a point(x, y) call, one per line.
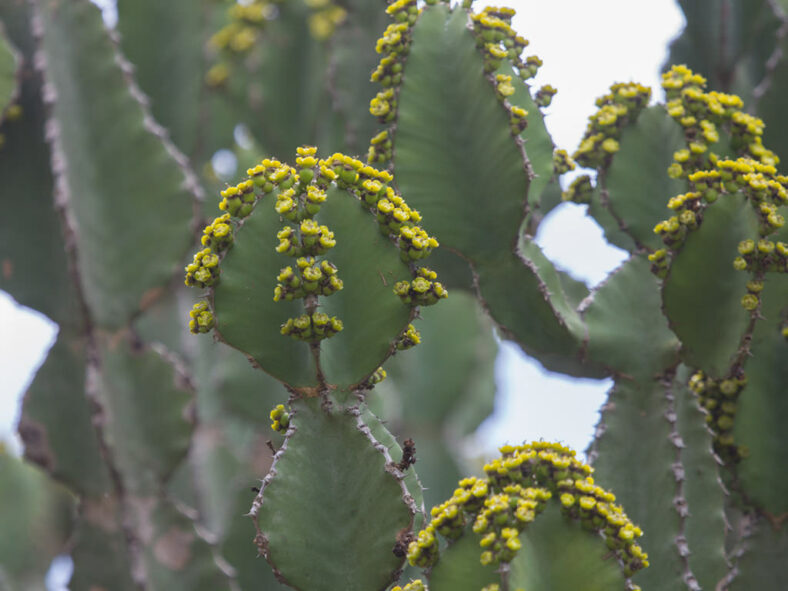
point(270, 445)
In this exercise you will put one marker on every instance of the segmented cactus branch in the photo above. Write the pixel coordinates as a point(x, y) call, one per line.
point(302, 197)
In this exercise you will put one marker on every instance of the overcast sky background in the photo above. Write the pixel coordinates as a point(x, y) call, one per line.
point(585, 46)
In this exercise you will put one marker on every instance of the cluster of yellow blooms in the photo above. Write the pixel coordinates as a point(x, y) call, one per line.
point(301, 193)
point(562, 162)
point(200, 318)
point(517, 488)
point(410, 338)
point(393, 46)
point(580, 190)
point(280, 418)
point(718, 397)
point(617, 109)
point(416, 585)
point(421, 291)
point(498, 41)
point(312, 327)
point(753, 174)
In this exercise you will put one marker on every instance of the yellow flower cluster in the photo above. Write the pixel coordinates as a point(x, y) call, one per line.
point(377, 376)
point(280, 418)
point(203, 271)
point(301, 192)
point(310, 278)
point(416, 585)
point(752, 174)
point(617, 109)
point(312, 327)
point(701, 113)
point(517, 488)
point(218, 235)
point(562, 162)
point(497, 41)
point(239, 200)
point(421, 291)
point(410, 338)
point(579, 191)
point(761, 257)
point(380, 148)
point(719, 397)
point(544, 96)
point(200, 318)
point(393, 46)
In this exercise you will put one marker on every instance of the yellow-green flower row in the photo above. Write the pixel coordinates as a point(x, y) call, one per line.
point(519, 485)
point(302, 193)
point(312, 327)
point(719, 397)
point(498, 41)
point(701, 113)
point(421, 291)
point(616, 110)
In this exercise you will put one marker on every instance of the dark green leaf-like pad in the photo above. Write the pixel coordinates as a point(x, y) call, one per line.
point(33, 259)
point(56, 422)
point(637, 185)
point(370, 265)
point(453, 362)
point(252, 572)
point(119, 178)
point(455, 159)
point(762, 412)
point(331, 498)
point(146, 413)
point(627, 331)
point(459, 568)
point(556, 554)
point(654, 450)
point(633, 456)
point(702, 293)
point(763, 565)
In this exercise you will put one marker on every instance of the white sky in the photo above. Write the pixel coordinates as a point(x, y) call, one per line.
point(586, 46)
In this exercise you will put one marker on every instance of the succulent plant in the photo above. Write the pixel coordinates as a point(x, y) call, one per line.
point(307, 353)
